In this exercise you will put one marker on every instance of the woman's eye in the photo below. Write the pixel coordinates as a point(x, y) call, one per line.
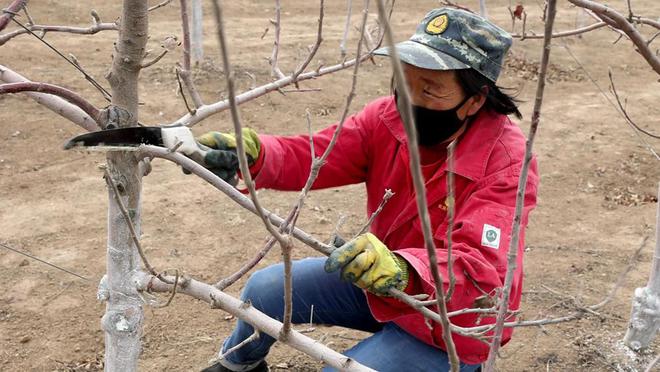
point(426, 92)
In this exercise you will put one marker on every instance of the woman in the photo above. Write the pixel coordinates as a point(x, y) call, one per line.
point(451, 65)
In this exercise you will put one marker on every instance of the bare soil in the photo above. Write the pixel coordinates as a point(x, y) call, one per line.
point(597, 199)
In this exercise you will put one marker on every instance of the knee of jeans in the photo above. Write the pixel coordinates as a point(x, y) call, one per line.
point(264, 286)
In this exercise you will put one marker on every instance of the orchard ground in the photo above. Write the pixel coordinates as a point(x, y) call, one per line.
point(596, 203)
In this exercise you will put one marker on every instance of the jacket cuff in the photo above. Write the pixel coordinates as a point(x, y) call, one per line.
point(262, 171)
point(256, 166)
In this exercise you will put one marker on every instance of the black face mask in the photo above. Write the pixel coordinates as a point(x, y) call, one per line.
point(434, 126)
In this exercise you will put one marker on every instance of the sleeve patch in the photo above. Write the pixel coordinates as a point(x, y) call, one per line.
point(490, 236)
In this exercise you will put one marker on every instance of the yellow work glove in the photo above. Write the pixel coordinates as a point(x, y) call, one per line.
point(222, 159)
point(368, 263)
point(227, 142)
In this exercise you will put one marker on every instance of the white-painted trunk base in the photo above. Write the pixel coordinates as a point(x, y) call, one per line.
point(644, 319)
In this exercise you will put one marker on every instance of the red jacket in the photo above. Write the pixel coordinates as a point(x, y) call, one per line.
point(372, 148)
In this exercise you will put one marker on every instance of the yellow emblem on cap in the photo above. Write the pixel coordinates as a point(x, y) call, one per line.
point(437, 25)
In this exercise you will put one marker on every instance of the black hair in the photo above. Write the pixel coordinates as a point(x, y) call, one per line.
point(474, 82)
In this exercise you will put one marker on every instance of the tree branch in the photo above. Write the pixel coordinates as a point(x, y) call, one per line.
point(253, 337)
point(315, 169)
point(503, 303)
point(624, 112)
point(226, 282)
point(251, 315)
point(60, 106)
point(93, 29)
point(315, 48)
point(386, 197)
point(155, 60)
point(577, 31)
point(45, 88)
point(205, 111)
point(9, 12)
point(159, 5)
point(276, 72)
point(420, 191)
point(451, 209)
point(72, 61)
point(242, 157)
point(617, 20)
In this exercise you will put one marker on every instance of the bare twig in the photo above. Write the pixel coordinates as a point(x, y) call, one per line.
point(254, 336)
point(308, 117)
point(205, 111)
point(96, 19)
point(284, 226)
point(242, 158)
point(600, 19)
point(386, 197)
point(577, 31)
point(315, 48)
point(625, 112)
point(653, 38)
point(174, 287)
point(129, 222)
point(60, 106)
point(285, 243)
point(418, 181)
point(617, 20)
point(276, 72)
point(226, 282)
point(191, 110)
point(451, 210)
point(42, 261)
point(159, 5)
point(87, 76)
point(609, 100)
point(9, 12)
point(93, 29)
point(155, 60)
point(55, 90)
point(27, 15)
point(512, 256)
point(288, 290)
point(315, 169)
point(318, 163)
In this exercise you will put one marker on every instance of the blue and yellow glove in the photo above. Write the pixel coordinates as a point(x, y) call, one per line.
point(368, 263)
point(222, 159)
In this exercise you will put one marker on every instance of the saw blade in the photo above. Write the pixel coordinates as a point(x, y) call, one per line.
point(131, 137)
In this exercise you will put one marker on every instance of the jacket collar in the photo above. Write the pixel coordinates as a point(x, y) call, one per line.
point(474, 146)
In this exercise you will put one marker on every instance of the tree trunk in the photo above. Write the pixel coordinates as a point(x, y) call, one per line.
point(645, 314)
point(123, 319)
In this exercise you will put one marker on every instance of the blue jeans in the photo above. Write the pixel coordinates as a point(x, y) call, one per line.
point(335, 302)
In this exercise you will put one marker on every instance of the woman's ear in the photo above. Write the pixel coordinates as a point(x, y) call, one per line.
point(477, 101)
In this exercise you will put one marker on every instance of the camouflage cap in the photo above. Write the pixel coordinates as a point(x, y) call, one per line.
point(453, 39)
